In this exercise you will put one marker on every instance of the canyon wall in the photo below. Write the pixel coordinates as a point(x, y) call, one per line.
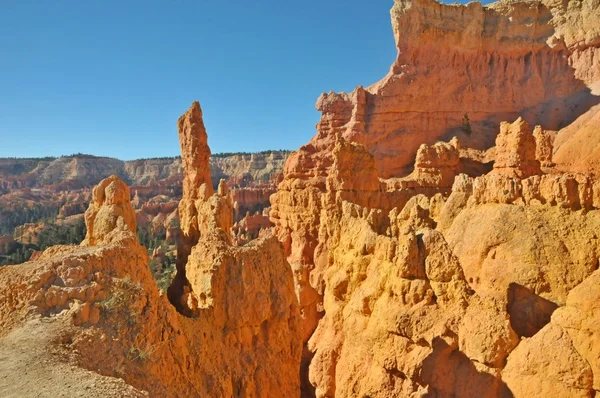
point(64, 184)
point(51, 192)
point(414, 279)
point(76, 171)
point(451, 293)
point(415, 252)
point(492, 63)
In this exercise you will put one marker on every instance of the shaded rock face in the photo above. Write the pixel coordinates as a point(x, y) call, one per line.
point(576, 145)
point(544, 149)
point(572, 335)
point(494, 63)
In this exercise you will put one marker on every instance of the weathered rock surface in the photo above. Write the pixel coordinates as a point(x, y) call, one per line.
point(360, 221)
point(572, 335)
point(399, 264)
point(252, 199)
point(110, 212)
point(240, 169)
point(516, 151)
point(104, 312)
point(432, 298)
point(499, 62)
point(437, 164)
point(544, 149)
point(246, 291)
point(250, 227)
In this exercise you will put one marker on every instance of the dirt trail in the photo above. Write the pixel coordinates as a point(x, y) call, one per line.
point(29, 369)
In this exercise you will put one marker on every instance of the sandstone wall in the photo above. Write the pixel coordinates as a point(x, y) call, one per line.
point(360, 240)
point(493, 63)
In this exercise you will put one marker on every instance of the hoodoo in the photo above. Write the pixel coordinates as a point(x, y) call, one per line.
point(98, 305)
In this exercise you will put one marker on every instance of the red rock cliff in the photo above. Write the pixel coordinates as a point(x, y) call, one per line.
point(405, 285)
point(494, 63)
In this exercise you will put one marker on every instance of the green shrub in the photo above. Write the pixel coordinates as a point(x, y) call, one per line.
point(466, 124)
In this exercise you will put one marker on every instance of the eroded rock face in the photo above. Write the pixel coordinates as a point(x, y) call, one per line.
point(110, 211)
point(572, 336)
point(437, 164)
point(544, 149)
point(250, 227)
point(516, 151)
point(197, 185)
point(240, 335)
point(252, 199)
point(432, 283)
point(436, 297)
point(357, 227)
point(375, 286)
point(498, 62)
point(247, 292)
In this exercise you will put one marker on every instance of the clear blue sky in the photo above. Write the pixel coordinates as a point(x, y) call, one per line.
point(112, 77)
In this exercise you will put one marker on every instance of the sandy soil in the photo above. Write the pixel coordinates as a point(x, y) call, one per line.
point(28, 368)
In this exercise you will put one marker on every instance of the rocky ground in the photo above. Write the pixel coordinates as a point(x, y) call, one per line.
point(34, 365)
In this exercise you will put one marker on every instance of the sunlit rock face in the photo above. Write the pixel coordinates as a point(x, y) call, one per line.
point(109, 210)
point(492, 63)
point(95, 309)
point(245, 293)
point(422, 261)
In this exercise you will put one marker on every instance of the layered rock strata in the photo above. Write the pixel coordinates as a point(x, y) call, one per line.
point(470, 272)
point(492, 63)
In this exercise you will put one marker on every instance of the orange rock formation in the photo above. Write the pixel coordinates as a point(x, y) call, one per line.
point(101, 306)
point(493, 63)
point(110, 212)
point(401, 263)
point(422, 283)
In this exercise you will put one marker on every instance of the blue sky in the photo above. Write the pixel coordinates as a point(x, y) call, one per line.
point(112, 77)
